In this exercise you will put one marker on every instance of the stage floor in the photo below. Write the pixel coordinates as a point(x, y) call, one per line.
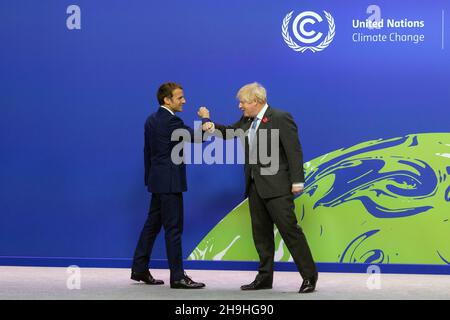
point(38, 283)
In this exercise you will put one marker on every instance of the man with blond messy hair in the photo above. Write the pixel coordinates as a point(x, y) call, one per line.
point(271, 192)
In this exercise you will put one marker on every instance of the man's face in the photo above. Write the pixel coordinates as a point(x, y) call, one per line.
point(250, 109)
point(177, 101)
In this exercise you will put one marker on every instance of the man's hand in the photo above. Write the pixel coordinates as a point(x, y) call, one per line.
point(297, 190)
point(203, 112)
point(208, 126)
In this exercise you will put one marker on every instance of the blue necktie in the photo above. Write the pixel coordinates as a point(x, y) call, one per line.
point(251, 135)
point(252, 130)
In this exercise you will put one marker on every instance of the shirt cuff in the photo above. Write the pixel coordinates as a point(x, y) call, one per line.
point(298, 185)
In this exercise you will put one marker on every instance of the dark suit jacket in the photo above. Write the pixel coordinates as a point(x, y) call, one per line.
point(161, 174)
point(289, 154)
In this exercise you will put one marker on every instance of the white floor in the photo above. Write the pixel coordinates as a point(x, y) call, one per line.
point(36, 283)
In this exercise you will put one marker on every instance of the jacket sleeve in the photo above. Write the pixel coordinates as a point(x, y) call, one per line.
point(184, 132)
point(230, 131)
point(147, 158)
point(292, 147)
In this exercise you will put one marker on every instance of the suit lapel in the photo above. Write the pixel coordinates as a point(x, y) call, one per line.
point(246, 128)
point(265, 121)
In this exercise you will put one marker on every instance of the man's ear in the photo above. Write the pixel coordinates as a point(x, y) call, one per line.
point(167, 100)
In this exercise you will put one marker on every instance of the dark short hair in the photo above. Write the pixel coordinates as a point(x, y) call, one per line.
point(166, 90)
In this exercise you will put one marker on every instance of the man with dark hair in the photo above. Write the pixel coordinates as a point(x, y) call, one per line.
point(167, 182)
point(167, 91)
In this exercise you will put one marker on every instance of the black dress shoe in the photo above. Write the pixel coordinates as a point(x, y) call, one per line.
point(145, 277)
point(258, 284)
point(308, 285)
point(186, 283)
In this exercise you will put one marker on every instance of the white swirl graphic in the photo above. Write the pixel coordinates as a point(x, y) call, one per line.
point(304, 18)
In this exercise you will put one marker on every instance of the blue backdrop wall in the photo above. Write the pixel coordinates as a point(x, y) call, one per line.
point(73, 105)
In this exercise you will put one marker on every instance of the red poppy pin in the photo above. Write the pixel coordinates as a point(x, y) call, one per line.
point(265, 120)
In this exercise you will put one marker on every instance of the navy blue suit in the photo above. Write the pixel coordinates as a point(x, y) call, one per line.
point(166, 181)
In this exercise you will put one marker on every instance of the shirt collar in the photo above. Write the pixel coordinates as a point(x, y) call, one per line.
point(262, 112)
point(164, 107)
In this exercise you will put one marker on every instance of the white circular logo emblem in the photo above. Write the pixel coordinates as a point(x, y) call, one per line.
point(307, 37)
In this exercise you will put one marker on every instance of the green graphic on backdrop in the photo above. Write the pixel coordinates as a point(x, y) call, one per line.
point(382, 201)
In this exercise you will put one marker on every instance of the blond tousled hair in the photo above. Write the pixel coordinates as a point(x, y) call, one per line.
point(252, 92)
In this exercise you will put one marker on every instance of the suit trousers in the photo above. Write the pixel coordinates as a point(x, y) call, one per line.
point(166, 209)
point(264, 214)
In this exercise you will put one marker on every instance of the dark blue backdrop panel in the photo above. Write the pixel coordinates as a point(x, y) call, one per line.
point(73, 104)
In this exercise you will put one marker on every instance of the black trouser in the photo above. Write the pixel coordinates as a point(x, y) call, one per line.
point(264, 214)
point(166, 209)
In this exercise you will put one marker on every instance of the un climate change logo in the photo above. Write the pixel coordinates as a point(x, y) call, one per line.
point(307, 37)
